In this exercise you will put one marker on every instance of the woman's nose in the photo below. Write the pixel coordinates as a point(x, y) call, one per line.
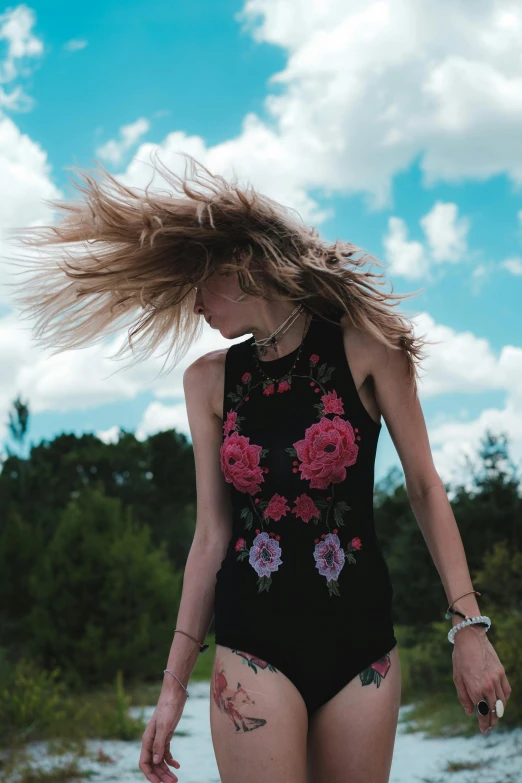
point(198, 304)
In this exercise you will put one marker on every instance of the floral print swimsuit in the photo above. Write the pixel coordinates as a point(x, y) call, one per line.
point(304, 584)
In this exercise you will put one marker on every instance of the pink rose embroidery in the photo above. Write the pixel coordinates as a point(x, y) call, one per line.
point(283, 386)
point(305, 508)
point(314, 358)
point(269, 389)
point(245, 377)
point(332, 403)
point(276, 508)
point(356, 543)
point(230, 423)
point(240, 544)
point(327, 449)
point(240, 463)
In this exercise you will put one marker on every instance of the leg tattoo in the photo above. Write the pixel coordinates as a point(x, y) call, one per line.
point(252, 661)
point(376, 671)
point(233, 702)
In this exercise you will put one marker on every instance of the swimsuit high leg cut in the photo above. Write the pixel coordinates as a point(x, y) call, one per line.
point(304, 585)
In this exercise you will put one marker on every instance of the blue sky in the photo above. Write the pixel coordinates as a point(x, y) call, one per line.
point(414, 156)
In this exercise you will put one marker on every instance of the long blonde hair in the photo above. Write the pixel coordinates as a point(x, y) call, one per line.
point(130, 257)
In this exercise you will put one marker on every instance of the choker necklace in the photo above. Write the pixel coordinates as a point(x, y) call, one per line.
point(271, 340)
point(288, 375)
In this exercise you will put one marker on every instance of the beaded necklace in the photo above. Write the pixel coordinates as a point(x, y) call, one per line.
point(289, 373)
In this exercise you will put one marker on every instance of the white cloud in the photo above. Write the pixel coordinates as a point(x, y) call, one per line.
point(461, 362)
point(52, 382)
point(15, 30)
point(114, 150)
point(452, 441)
point(75, 44)
point(367, 89)
point(406, 257)
point(112, 435)
point(445, 241)
point(159, 417)
point(446, 234)
point(370, 87)
point(513, 265)
point(25, 181)
point(86, 378)
point(464, 363)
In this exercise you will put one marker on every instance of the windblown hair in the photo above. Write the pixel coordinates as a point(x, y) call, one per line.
point(130, 257)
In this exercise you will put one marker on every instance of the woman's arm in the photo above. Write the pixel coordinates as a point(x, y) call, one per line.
point(478, 672)
point(202, 381)
point(399, 403)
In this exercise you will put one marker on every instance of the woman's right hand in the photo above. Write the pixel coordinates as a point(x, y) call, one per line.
point(157, 736)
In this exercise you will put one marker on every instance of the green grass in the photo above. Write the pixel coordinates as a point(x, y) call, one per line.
point(67, 720)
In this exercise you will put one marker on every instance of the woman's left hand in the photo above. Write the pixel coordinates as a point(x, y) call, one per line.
point(478, 673)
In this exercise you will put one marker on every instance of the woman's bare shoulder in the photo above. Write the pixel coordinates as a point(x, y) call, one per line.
point(205, 377)
point(365, 351)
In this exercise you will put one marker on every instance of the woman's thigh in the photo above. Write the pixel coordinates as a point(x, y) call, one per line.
point(258, 721)
point(351, 737)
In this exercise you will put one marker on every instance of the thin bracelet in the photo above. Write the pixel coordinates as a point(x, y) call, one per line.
point(447, 615)
point(202, 647)
point(177, 678)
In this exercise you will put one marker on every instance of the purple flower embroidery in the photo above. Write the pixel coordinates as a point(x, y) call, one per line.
point(265, 555)
point(329, 559)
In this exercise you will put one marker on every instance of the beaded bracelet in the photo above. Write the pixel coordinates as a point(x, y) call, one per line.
point(482, 619)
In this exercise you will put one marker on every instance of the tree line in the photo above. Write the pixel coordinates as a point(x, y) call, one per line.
point(94, 537)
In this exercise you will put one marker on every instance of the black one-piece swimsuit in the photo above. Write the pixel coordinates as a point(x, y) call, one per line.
point(304, 585)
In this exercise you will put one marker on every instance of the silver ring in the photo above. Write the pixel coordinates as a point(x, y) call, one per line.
point(483, 708)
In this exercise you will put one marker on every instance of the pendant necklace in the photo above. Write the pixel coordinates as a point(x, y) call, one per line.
point(271, 340)
point(285, 379)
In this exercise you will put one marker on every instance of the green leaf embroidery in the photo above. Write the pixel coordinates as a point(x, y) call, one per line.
point(340, 508)
point(333, 587)
point(321, 503)
point(320, 370)
point(327, 375)
point(291, 451)
point(246, 514)
point(263, 583)
point(242, 554)
point(349, 557)
point(338, 517)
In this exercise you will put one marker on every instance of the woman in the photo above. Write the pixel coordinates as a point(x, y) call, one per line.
point(284, 426)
